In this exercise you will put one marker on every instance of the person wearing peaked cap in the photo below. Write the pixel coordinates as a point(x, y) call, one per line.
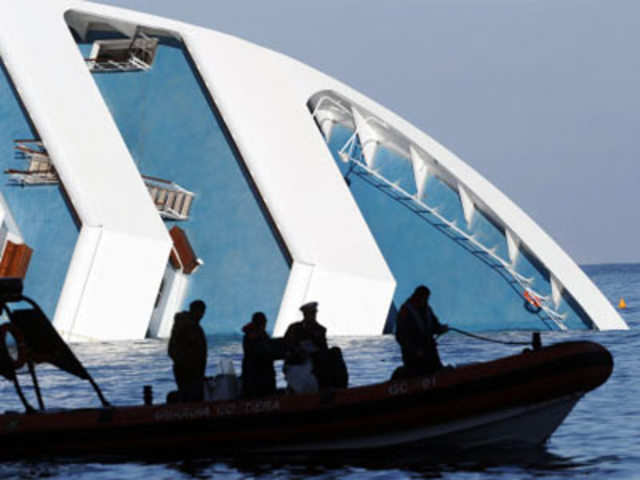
point(307, 333)
point(310, 307)
point(304, 339)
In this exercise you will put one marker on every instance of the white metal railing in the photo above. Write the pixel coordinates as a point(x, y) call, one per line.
point(130, 65)
point(352, 152)
point(39, 171)
point(172, 201)
point(138, 54)
point(328, 99)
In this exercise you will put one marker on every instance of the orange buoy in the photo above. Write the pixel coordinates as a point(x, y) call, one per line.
point(622, 304)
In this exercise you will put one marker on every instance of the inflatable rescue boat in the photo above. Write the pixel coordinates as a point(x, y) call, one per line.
point(515, 400)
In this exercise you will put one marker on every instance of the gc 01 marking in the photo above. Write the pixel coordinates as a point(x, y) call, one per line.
point(398, 388)
point(428, 383)
point(401, 388)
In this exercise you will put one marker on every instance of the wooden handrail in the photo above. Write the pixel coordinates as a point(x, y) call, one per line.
point(28, 172)
point(156, 179)
point(24, 149)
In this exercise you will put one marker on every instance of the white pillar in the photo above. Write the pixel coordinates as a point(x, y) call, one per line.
point(367, 136)
point(420, 170)
point(513, 245)
point(468, 206)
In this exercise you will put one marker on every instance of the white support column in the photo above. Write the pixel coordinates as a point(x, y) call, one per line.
point(319, 220)
point(556, 291)
point(172, 293)
point(468, 206)
point(420, 170)
point(326, 121)
point(104, 296)
point(122, 249)
point(513, 245)
point(368, 138)
point(294, 296)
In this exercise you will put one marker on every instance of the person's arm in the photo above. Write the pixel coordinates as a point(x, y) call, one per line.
point(444, 328)
point(438, 328)
point(320, 339)
point(294, 353)
point(262, 347)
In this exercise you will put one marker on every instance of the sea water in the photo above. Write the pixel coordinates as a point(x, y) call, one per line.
point(599, 439)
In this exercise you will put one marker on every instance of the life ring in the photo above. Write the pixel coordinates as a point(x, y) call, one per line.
point(531, 302)
point(532, 299)
point(20, 345)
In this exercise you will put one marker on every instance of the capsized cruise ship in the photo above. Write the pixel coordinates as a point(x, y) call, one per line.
point(148, 162)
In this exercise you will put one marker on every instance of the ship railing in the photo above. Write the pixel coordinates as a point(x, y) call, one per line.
point(26, 177)
point(132, 64)
point(352, 153)
point(123, 55)
point(30, 148)
point(40, 170)
point(172, 201)
point(29, 141)
point(326, 99)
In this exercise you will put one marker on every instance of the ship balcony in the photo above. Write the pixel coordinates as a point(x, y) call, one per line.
point(123, 55)
point(40, 170)
point(172, 201)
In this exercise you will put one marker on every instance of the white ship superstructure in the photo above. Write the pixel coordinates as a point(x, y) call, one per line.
point(150, 162)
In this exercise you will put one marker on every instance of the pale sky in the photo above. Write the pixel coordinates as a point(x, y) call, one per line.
point(539, 96)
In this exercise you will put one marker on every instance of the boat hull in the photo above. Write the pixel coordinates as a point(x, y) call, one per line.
point(520, 399)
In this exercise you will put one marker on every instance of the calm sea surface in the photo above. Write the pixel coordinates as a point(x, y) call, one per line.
point(600, 439)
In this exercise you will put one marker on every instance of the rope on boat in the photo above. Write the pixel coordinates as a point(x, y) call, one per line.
point(486, 339)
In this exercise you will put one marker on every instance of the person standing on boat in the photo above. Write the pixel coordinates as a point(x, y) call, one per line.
point(304, 339)
point(258, 374)
point(188, 350)
point(416, 325)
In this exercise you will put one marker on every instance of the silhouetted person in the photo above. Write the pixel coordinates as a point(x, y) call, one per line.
point(258, 374)
point(188, 350)
point(416, 325)
point(304, 340)
point(307, 334)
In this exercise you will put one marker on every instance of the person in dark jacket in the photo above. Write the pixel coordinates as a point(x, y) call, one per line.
point(188, 350)
point(258, 374)
point(416, 325)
